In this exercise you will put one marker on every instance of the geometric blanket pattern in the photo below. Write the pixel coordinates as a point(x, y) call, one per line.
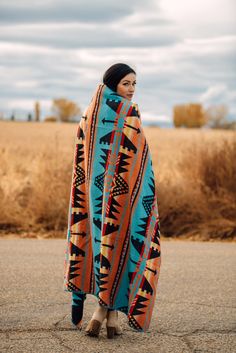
point(113, 246)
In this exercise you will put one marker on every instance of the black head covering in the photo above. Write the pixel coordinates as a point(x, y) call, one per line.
point(115, 73)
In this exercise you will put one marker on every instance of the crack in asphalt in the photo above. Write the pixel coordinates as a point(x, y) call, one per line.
point(60, 341)
point(60, 320)
point(55, 333)
point(9, 331)
point(188, 343)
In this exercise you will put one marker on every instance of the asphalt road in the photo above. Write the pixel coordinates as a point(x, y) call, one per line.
point(195, 309)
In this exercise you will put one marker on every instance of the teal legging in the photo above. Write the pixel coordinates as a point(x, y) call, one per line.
point(77, 306)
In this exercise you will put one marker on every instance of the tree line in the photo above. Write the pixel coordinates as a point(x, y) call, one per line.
point(191, 115)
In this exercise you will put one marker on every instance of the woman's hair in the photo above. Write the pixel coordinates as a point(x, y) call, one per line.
point(115, 73)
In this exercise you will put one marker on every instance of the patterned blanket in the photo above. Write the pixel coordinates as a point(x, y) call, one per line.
point(113, 241)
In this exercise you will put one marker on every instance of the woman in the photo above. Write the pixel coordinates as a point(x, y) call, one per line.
point(113, 242)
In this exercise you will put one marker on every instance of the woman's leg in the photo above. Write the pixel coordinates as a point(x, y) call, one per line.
point(77, 308)
point(113, 327)
point(95, 324)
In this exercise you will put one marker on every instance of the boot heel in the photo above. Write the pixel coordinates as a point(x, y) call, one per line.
point(111, 331)
point(94, 327)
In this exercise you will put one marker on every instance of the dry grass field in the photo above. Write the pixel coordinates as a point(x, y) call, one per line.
point(195, 174)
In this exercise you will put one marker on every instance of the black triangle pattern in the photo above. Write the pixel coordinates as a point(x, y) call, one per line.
point(97, 275)
point(147, 203)
point(105, 263)
point(102, 282)
point(106, 139)
point(121, 186)
point(139, 306)
point(112, 209)
point(148, 199)
point(143, 226)
point(110, 228)
point(113, 104)
point(79, 198)
point(127, 144)
point(104, 157)
point(99, 205)
point(97, 258)
point(99, 181)
point(146, 287)
point(134, 112)
point(74, 268)
point(137, 244)
point(79, 216)
point(156, 238)
point(80, 176)
point(97, 223)
point(130, 274)
point(80, 133)
point(80, 153)
point(122, 163)
point(154, 253)
point(75, 250)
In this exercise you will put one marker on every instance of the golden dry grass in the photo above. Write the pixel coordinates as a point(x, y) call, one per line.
point(194, 169)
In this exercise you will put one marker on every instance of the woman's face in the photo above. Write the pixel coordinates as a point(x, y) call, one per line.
point(126, 86)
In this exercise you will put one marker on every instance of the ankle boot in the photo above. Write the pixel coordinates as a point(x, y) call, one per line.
point(112, 325)
point(95, 324)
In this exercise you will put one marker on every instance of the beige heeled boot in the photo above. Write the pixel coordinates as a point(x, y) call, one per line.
point(94, 326)
point(112, 325)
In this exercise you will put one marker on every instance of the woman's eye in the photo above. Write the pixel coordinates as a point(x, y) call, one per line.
point(126, 84)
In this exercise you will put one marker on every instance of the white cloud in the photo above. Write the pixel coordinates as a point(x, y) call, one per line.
point(25, 104)
point(71, 10)
point(213, 93)
point(201, 18)
point(220, 94)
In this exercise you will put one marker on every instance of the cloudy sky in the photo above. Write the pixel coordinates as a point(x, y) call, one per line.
point(183, 51)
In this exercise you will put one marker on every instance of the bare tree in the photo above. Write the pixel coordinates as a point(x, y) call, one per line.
point(37, 111)
point(216, 116)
